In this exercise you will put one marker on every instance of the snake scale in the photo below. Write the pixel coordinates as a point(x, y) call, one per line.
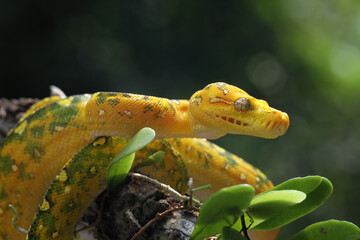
point(67, 144)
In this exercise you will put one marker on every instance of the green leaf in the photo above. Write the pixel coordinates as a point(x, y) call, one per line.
point(267, 204)
point(304, 184)
point(153, 159)
point(329, 230)
point(227, 233)
point(202, 188)
point(142, 138)
point(121, 165)
point(221, 209)
point(118, 171)
point(317, 190)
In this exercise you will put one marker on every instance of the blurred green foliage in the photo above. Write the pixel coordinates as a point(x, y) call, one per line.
point(303, 57)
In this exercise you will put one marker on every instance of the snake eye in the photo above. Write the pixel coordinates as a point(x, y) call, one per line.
point(242, 104)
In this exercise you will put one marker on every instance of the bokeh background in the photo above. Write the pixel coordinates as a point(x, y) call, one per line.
point(303, 57)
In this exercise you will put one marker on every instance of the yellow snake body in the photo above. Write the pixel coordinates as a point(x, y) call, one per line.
point(68, 143)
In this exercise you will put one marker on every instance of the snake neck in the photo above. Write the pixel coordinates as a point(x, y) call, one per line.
point(118, 114)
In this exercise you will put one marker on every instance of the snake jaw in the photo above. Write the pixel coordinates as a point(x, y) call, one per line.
point(273, 124)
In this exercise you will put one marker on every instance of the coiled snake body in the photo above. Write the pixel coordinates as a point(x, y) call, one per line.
point(69, 142)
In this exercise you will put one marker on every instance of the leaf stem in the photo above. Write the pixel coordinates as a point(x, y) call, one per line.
point(244, 228)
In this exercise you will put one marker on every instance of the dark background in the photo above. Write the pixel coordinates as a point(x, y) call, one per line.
point(303, 57)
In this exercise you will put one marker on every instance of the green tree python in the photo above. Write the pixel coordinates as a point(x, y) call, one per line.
point(68, 142)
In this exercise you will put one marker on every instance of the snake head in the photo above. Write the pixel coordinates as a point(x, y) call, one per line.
point(221, 108)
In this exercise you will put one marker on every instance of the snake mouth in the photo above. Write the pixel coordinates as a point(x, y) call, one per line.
point(232, 120)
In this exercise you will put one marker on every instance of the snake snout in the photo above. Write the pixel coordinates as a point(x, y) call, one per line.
point(279, 123)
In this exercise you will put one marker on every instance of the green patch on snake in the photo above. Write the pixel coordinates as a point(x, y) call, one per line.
point(206, 164)
point(181, 184)
point(32, 235)
point(3, 194)
point(101, 97)
point(37, 131)
point(160, 113)
point(14, 137)
point(113, 102)
point(172, 107)
point(69, 206)
point(119, 140)
point(261, 179)
point(180, 164)
point(199, 153)
point(35, 149)
point(208, 159)
point(45, 219)
point(148, 108)
point(177, 141)
point(57, 126)
point(58, 187)
point(6, 163)
point(230, 160)
point(2, 234)
point(92, 170)
point(49, 222)
point(76, 168)
point(41, 113)
point(67, 114)
point(83, 165)
point(23, 175)
point(171, 173)
point(103, 161)
point(180, 168)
